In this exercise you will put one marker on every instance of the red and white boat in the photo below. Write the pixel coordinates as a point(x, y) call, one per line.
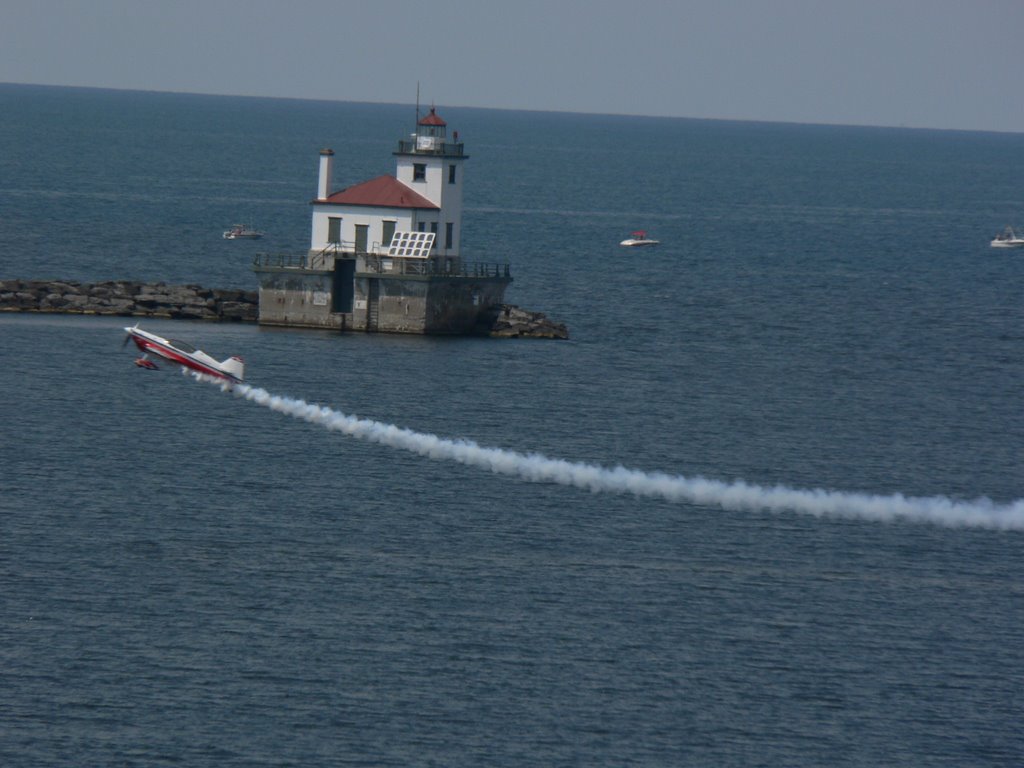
point(183, 354)
point(639, 238)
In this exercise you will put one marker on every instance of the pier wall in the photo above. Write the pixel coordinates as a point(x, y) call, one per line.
point(432, 305)
point(298, 298)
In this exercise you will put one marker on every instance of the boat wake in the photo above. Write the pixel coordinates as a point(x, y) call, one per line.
point(735, 496)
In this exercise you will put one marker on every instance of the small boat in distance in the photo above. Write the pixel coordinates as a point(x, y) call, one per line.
point(242, 232)
point(1007, 239)
point(638, 238)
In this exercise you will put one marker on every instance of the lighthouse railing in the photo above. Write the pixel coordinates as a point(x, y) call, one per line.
point(282, 260)
point(446, 148)
point(397, 265)
point(389, 265)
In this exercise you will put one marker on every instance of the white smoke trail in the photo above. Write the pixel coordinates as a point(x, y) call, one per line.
point(736, 496)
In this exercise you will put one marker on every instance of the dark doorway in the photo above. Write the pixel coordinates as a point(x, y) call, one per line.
point(343, 287)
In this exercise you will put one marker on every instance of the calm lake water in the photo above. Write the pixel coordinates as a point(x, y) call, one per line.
point(187, 577)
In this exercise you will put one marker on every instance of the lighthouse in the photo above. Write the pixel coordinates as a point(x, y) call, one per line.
point(424, 195)
point(386, 254)
point(433, 166)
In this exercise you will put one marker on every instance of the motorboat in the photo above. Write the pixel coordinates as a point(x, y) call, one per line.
point(242, 232)
point(638, 238)
point(1008, 239)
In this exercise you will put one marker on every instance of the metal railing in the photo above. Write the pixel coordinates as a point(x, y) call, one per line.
point(412, 147)
point(396, 265)
point(322, 259)
point(284, 260)
point(332, 250)
point(387, 265)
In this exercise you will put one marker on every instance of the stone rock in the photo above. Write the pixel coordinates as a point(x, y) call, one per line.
point(119, 305)
point(226, 295)
point(509, 321)
point(181, 295)
point(26, 300)
point(53, 301)
point(189, 313)
point(125, 297)
point(236, 310)
point(77, 300)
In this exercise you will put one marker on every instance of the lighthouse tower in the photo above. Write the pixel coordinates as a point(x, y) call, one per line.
point(433, 166)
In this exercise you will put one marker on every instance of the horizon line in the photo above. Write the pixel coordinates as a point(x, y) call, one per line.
point(902, 126)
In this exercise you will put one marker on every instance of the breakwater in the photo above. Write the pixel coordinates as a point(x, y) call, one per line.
point(193, 302)
point(507, 321)
point(129, 299)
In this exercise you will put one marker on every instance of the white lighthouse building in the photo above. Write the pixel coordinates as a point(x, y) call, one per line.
point(385, 254)
point(424, 195)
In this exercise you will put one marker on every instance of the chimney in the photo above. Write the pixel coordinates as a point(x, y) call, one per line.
point(323, 188)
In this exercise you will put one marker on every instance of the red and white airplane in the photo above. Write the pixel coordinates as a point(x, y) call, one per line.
point(185, 355)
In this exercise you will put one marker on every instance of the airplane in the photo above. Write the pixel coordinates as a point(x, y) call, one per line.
point(231, 370)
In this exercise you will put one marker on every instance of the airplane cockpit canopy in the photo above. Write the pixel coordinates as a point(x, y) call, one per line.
point(181, 345)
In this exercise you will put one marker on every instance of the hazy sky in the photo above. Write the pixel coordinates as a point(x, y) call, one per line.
point(921, 63)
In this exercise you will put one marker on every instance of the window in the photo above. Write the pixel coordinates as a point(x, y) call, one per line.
point(334, 229)
point(362, 237)
point(449, 234)
point(451, 174)
point(388, 233)
point(421, 226)
point(419, 171)
point(433, 228)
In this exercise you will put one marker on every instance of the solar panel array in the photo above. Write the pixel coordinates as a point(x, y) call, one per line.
point(411, 245)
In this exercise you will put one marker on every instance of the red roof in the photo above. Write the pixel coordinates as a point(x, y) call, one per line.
point(432, 119)
point(382, 192)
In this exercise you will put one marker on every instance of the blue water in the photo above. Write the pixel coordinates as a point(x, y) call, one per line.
point(187, 577)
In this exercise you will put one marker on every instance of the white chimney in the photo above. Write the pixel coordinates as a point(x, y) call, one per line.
point(323, 188)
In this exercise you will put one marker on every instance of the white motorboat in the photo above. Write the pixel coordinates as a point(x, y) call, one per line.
point(242, 232)
point(638, 238)
point(1007, 239)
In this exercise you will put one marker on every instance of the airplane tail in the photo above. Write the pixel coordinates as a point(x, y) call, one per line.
point(235, 366)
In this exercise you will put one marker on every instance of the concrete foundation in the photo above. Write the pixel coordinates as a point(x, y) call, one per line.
point(299, 298)
point(380, 295)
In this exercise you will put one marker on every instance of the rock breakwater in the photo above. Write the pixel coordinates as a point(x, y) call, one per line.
point(129, 299)
point(509, 321)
